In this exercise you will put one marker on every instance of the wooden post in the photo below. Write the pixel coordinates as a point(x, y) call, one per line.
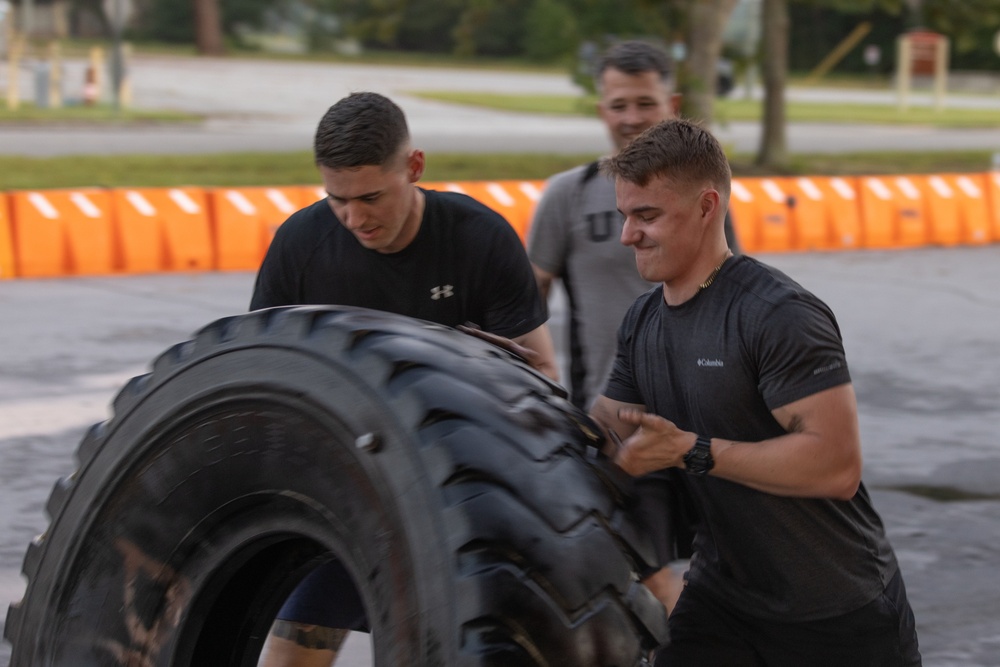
point(940, 73)
point(922, 53)
point(903, 69)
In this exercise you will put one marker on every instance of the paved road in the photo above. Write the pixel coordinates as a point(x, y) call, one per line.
point(921, 335)
point(274, 106)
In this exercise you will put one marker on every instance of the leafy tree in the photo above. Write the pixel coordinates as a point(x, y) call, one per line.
point(473, 19)
point(551, 31)
point(206, 23)
point(970, 24)
point(599, 20)
point(374, 23)
point(776, 26)
point(427, 25)
point(492, 27)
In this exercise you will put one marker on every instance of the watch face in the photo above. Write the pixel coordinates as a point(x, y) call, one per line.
point(699, 459)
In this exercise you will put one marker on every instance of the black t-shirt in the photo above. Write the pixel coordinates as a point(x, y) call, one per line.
point(466, 264)
point(718, 365)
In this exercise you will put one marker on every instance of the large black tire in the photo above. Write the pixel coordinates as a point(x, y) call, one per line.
point(459, 488)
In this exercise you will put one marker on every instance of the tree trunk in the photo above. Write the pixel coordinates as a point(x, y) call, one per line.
point(773, 146)
point(706, 20)
point(208, 28)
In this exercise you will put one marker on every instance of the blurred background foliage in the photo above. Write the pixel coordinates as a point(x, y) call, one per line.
point(552, 31)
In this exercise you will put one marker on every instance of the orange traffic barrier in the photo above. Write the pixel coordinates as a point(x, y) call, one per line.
point(310, 194)
point(60, 232)
point(7, 269)
point(91, 231)
point(993, 196)
point(161, 229)
point(245, 219)
point(892, 212)
point(743, 212)
point(761, 214)
point(514, 200)
point(957, 208)
point(845, 211)
point(810, 220)
point(824, 213)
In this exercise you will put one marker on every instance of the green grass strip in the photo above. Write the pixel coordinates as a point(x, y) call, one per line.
point(96, 114)
point(296, 168)
point(737, 109)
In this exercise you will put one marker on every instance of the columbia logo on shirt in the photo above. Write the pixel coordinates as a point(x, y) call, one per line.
point(711, 362)
point(442, 292)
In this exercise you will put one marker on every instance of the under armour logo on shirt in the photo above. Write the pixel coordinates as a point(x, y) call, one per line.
point(442, 292)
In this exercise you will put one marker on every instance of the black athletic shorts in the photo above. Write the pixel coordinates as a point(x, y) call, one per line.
point(326, 597)
point(880, 634)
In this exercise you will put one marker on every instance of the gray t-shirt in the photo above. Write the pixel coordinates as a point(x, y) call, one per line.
point(718, 365)
point(576, 235)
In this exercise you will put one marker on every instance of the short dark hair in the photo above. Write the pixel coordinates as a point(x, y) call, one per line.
point(635, 57)
point(676, 149)
point(363, 129)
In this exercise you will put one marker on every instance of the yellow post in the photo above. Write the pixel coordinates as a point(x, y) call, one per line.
point(55, 77)
point(13, 69)
point(838, 53)
point(126, 85)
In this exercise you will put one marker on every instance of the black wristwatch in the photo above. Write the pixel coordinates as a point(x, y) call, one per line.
point(698, 460)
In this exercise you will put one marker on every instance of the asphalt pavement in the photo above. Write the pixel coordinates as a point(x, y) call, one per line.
point(921, 329)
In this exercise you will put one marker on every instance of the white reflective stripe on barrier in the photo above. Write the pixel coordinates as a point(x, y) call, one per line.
point(85, 205)
point(772, 190)
point(740, 192)
point(531, 190)
point(239, 200)
point(497, 192)
point(184, 201)
point(809, 189)
point(906, 186)
point(842, 188)
point(280, 201)
point(940, 187)
point(140, 203)
point(878, 188)
point(43, 205)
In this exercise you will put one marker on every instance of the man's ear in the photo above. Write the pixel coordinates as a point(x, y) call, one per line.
point(710, 203)
point(415, 163)
point(675, 104)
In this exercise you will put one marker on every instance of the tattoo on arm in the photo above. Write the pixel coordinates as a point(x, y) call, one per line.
point(309, 636)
